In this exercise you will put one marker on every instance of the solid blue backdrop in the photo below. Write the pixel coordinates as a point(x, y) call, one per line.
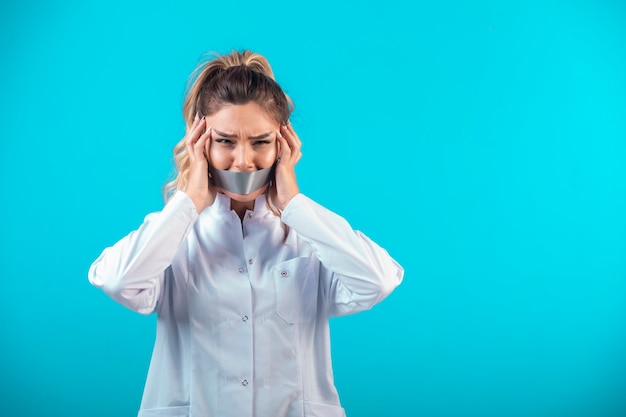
point(482, 143)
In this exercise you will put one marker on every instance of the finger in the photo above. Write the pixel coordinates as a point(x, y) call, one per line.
point(190, 136)
point(289, 155)
point(292, 131)
point(193, 124)
point(207, 143)
point(292, 140)
point(200, 128)
point(285, 150)
point(200, 144)
point(278, 147)
point(296, 144)
point(195, 132)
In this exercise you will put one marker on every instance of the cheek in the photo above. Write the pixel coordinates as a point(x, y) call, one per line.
point(219, 159)
point(267, 158)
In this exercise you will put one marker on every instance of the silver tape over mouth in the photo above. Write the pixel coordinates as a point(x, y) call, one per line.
point(241, 182)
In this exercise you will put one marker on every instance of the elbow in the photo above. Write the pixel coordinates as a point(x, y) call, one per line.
point(109, 277)
point(390, 281)
point(141, 300)
point(371, 290)
point(106, 282)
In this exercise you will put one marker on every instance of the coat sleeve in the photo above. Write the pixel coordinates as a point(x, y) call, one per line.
point(355, 272)
point(132, 270)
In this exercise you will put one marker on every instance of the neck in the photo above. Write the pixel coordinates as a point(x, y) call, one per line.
point(240, 208)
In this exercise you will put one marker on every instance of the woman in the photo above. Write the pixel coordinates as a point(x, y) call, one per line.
point(242, 269)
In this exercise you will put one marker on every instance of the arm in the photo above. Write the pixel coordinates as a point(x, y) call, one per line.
point(131, 271)
point(360, 273)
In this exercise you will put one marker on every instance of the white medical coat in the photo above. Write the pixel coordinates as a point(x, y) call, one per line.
point(243, 307)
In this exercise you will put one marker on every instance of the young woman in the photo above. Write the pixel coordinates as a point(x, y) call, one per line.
point(242, 269)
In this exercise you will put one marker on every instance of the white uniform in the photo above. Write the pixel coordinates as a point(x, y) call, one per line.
point(243, 309)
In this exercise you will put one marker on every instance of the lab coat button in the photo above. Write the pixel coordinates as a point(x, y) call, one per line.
point(244, 318)
point(250, 261)
point(284, 274)
point(244, 382)
point(249, 215)
point(241, 270)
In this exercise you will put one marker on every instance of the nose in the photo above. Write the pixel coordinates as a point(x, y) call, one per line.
point(243, 159)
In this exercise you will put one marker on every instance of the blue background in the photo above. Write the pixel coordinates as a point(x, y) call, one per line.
point(482, 143)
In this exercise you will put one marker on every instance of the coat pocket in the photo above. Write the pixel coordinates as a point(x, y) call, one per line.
point(296, 283)
point(182, 411)
point(323, 410)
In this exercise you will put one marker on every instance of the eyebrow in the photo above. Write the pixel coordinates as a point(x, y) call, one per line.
point(232, 135)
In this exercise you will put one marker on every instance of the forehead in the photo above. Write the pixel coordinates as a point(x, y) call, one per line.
point(249, 118)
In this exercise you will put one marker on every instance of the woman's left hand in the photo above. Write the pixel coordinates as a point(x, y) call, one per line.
point(285, 186)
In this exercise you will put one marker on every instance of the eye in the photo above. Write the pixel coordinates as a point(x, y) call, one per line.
point(224, 141)
point(262, 142)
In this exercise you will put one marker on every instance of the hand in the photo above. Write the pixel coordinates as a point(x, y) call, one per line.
point(199, 187)
point(285, 186)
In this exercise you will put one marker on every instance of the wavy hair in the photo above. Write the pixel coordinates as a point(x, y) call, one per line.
point(240, 77)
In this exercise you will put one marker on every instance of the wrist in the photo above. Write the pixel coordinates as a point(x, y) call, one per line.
point(285, 202)
point(200, 201)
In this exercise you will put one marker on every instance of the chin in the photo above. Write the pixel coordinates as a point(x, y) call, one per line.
point(244, 198)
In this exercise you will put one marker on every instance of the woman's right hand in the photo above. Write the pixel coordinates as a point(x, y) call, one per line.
point(199, 186)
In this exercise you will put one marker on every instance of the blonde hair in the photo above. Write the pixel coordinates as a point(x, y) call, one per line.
point(220, 80)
